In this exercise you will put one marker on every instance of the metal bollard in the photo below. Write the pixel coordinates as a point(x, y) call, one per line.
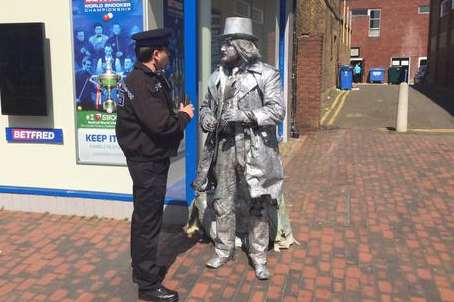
point(402, 108)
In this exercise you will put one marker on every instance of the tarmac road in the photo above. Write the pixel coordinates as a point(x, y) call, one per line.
point(375, 106)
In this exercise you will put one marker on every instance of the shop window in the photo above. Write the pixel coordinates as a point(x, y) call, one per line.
point(216, 31)
point(242, 9)
point(424, 9)
point(257, 15)
point(264, 25)
point(444, 8)
point(374, 22)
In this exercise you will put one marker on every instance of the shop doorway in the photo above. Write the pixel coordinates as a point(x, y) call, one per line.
point(196, 54)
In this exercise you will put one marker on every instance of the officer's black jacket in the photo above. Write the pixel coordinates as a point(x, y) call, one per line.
point(147, 127)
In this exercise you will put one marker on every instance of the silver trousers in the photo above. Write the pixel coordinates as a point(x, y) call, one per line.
point(231, 194)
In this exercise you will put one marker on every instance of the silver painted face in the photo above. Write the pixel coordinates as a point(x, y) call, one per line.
point(229, 54)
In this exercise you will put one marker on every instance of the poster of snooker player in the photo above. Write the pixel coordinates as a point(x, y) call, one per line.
point(103, 55)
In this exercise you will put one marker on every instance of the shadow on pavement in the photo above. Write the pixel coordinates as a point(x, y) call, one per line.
point(174, 242)
point(442, 98)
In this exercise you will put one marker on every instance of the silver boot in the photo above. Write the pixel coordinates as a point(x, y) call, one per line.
point(262, 272)
point(218, 261)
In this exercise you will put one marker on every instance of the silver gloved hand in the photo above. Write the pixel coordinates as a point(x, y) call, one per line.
point(209, 123)
point(233, 115)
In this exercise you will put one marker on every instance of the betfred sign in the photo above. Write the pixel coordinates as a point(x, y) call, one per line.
point(31, 135)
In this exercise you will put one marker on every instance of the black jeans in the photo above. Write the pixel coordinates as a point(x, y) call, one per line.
point(149, 190)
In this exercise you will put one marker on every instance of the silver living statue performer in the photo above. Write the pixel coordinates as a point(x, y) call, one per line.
point(240, 171)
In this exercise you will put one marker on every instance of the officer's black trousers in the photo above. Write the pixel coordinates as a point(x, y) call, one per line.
point(149, 189)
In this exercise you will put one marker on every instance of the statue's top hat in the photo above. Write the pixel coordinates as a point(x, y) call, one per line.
point(238, 28)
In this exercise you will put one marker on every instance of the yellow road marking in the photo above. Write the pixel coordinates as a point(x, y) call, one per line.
point(332, 106)
point(423, 130)
point(433, 130)
point(338, 109)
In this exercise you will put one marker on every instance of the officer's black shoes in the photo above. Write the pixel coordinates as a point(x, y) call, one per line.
point(218, 261)
point(159, 294)
point(262, 272)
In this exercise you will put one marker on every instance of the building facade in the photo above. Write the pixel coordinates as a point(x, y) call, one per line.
point(322, 44)
point(389, 33)
point(82, 172)
point(441, 44)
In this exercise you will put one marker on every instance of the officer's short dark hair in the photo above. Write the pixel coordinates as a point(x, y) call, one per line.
point(144, 54)
point(98, 24)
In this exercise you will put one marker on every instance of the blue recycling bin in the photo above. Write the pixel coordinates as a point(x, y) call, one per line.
point(377, 75)
point(345, 77)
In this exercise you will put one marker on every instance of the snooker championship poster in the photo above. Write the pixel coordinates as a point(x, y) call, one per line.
point(103, 56)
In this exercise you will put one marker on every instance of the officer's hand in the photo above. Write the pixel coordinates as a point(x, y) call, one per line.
point(233, 115)
point(209, 123)
point(186, 100)
point(188, 109)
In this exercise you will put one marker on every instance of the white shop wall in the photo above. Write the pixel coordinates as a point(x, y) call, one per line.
point(43, 165)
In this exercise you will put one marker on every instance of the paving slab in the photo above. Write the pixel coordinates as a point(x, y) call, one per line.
point(373, 211)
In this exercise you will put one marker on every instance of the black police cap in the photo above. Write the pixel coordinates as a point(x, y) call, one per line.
point(152, 38)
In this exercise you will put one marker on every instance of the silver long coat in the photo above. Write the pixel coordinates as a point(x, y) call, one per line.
point(259, 94)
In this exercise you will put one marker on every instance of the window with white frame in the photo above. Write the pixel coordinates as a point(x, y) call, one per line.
point(374, 22)
point(424, 9)
point(444, 8)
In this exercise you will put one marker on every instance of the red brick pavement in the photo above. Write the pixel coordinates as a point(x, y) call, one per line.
point(372, 210)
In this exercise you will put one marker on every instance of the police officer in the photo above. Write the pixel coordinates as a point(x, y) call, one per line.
point(149, 132)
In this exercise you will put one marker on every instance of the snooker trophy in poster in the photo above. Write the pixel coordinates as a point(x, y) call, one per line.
point(107, 82)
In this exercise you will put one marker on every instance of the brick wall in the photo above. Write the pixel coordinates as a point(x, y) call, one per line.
point(319, 23)
point(441, 47)
point(403, 33)
point(309, 84)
